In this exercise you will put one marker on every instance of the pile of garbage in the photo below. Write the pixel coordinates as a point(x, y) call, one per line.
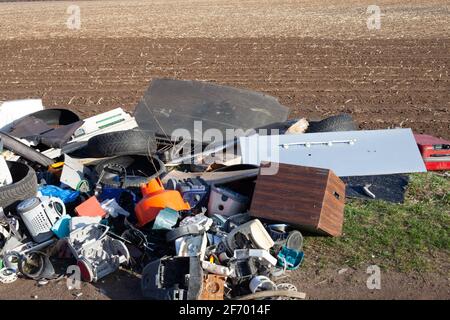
point(199, 214)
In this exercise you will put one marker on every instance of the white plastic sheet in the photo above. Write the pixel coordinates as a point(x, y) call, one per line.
point(347, 153)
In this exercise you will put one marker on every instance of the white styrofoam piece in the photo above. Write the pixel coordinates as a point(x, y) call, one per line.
point(348, 153)
point(113, 120)
point(110, 121)
point(52, 153)
point(258, 253)
point(73, 172)
point(5, 175)
point(13, 110)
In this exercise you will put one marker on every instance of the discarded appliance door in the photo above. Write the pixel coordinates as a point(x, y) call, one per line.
point(172, 278)
point(347, 153)
point(173, 104)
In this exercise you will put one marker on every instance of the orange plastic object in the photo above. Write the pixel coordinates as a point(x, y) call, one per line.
point(90, 208)
point(156, 198)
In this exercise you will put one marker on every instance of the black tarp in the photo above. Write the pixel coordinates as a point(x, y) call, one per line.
point(390, 187)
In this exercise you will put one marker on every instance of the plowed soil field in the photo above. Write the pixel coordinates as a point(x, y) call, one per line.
point(318, 57)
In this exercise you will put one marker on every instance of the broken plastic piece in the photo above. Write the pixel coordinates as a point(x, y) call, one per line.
point(5, 175)
point(90, 208)
point(79, 222)
point(290, 258)
point(110, 121)
point(172, 278)
point(67, 196)
point(299, 127)
point(194, 191)
point(226, 202)
point(166, 219)
point(39, 215)
point(156, 198)
point(191, 246)
point(263, 255)
point(97, 254)
point(190, 229)
point(199, 219)
point(113, 209)
point(61, 228)
point(73, 174)
point(216, 269)
point(248, 235)
point(368, 192)
point(261, 283)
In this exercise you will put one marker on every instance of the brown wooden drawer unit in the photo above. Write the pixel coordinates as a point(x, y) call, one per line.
point(310, 199)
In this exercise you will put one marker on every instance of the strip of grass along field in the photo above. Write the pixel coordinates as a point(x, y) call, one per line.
point(413, 236)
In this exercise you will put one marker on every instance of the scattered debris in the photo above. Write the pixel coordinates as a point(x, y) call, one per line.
point(116, 192)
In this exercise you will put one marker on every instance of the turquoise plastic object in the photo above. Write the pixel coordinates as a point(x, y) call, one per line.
point(166, 219)
point(293, 258)
point(61, 228)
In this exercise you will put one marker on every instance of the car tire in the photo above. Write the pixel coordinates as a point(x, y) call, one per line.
point(24, 184)
point(119, 143)
point(340, 122)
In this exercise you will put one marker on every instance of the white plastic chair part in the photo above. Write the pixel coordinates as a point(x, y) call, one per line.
point(13, 110)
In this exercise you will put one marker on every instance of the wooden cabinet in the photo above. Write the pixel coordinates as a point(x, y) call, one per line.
point(307, 198)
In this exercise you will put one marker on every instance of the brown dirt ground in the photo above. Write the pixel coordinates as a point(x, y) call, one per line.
point(330, 284)
point(315, 56)
point(382, 83)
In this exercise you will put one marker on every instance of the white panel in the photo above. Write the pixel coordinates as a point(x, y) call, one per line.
point(347, 153)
